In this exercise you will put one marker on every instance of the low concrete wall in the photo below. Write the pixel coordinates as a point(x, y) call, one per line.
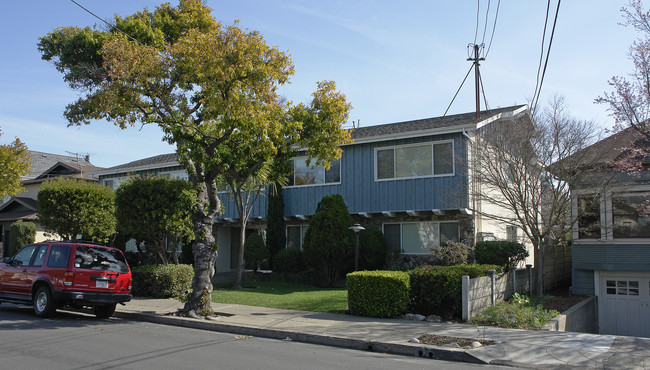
point(580, 318)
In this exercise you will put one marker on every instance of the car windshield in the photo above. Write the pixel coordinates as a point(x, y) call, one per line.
point(94, 258)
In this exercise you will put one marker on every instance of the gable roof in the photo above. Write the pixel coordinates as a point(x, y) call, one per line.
point(427, 126)
point(44, 164)
point(19, 208)
point(614, 148)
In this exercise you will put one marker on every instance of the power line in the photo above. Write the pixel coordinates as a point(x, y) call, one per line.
point(107, 23)
point(548, 52)
point(487, 12)
point(494, 26)
point(541, 54)
point(478, 10)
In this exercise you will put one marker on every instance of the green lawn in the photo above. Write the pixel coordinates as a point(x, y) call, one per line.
point(283, 295)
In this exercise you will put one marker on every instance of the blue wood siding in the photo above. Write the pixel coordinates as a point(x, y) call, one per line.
point(363, 194)
point(260, 208)
point(588, 258)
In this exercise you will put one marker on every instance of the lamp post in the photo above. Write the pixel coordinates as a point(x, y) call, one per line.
point(356, 228)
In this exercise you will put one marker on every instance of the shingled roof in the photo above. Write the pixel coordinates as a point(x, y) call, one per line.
point(427, 124)
point(150, 162)
point(41, 163)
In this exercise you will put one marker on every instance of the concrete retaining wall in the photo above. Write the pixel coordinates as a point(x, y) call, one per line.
point(580, 318)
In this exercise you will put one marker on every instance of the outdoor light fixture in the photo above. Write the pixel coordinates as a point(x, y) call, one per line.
point(356, 228)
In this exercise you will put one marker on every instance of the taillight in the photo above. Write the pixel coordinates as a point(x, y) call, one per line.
point(130, 282)
point(68, 278)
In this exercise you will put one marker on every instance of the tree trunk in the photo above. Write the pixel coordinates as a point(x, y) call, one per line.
point(539, 269)
point(240, 256)
point(205, 256)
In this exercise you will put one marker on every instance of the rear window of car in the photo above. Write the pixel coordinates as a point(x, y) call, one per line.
point(94, 258)
point(59, 256)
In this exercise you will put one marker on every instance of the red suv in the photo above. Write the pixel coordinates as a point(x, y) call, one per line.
point(55, 274)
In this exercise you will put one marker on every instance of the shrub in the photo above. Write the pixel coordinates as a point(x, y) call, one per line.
point(452, 253)
point(328, 243)
point(519, 312)
point(162, 281)
point(372, 249)
point(21, 233)
point(438, 289)
point(378, 293)
point(289, 261)
point(255, 252)
point(503, 253)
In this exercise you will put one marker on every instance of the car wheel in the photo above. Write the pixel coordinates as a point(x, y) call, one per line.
point(44, 305)
point(104, 311)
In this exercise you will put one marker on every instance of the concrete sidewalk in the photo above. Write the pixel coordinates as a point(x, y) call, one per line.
point(514, 347)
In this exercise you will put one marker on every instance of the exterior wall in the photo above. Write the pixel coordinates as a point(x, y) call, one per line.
point(223, 243)
point(363, 194)
point(31, 191)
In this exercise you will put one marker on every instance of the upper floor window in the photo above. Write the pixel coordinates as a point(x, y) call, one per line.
point(412, 161)
point(314, 175)
point(631, 215)
point(589, 217)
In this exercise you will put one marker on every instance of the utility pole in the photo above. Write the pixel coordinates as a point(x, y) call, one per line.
point(473, 52)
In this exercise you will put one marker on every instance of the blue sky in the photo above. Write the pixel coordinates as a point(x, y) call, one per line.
point(395, 61)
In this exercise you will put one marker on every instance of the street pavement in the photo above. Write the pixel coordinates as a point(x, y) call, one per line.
point(514, 347)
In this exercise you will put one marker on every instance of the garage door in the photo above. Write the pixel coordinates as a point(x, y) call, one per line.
point(624, 303)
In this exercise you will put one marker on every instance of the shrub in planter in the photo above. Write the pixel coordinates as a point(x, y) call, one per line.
point(438, 289)
point(289, 261)
point(451, 253)
point(503, 253)
point(161, 281)
point(378, 293)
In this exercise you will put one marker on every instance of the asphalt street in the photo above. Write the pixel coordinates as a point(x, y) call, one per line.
point(79, 341)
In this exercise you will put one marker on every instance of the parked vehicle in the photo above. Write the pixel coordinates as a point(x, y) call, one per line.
point(51, 275)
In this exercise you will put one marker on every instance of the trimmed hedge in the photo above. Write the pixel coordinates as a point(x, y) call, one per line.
point(289, 260)
point(378, 293)
point(502, 253)
point(161, 281)
point(438, 289)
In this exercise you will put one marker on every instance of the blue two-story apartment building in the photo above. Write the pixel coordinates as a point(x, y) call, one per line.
point(412, 180)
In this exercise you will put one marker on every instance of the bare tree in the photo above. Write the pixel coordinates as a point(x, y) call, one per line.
point(524, 167)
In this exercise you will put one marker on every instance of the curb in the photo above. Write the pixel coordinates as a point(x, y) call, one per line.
point(406, 349)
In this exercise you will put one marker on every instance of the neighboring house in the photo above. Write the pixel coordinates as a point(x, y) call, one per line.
point(611, 240)
point(43, 166)
point(408, 179)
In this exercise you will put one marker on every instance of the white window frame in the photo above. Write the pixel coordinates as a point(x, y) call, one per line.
point(433, 160)
point(401, 233)
point(293, 161)
point(303, 230)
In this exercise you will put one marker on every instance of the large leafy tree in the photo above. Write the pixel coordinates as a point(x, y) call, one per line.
point(14, 163)
point(212, 89)
point(72, 207)
point(154, 209)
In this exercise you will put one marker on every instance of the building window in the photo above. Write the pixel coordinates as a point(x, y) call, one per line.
point(511, 233)
point(419, 237)
point(631, 215)
point(296, 236)
point(314, 175)
point(415, 161)
point(589, 217)
point(109, 183)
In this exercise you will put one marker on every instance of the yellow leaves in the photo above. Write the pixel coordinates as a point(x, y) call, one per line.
point(14, 163)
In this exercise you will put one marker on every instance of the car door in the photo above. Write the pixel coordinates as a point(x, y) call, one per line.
point(13, 279)
point(33, 269)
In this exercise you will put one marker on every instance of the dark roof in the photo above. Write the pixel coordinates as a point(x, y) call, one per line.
point(41, 163)
point(612, 148)
point(445, 122)
point(147, 162)
point(19, 208)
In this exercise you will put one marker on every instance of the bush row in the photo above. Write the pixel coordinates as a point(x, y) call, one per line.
point(427, 290)
point(161, 281)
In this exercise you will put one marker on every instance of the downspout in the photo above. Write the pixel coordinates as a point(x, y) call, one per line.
point(472, 184)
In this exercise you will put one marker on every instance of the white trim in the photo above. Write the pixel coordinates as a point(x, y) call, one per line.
point(424, 143)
